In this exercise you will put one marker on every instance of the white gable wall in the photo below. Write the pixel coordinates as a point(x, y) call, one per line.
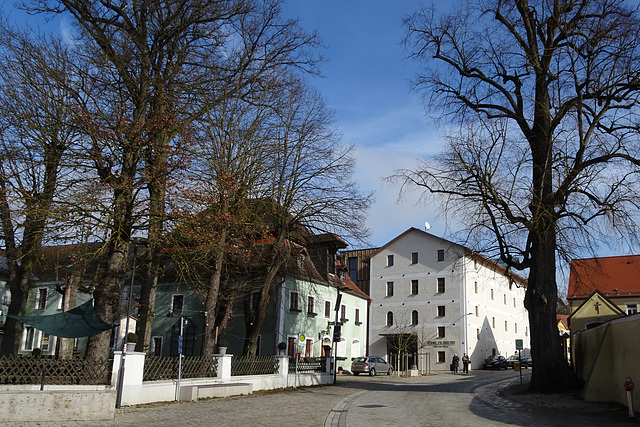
point(443, 311)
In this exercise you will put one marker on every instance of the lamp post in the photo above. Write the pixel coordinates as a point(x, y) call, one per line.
point(337, 331)
point(126, 331)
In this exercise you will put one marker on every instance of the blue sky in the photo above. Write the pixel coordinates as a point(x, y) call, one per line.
point(366, 83)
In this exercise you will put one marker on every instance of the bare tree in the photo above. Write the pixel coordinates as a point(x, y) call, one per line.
point(35, 134)
point(171, 62)
point(308, 186)
point(546, 93)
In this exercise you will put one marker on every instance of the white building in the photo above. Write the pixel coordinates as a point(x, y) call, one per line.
point(431, 298)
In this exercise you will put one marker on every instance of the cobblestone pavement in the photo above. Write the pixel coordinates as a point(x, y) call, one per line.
point(474, 400)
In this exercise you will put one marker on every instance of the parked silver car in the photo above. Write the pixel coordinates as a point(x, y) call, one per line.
point(371, 366)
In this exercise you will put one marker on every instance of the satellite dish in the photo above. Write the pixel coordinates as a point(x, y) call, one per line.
point(427, 225)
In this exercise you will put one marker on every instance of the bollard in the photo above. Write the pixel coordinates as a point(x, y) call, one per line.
point(628, 386)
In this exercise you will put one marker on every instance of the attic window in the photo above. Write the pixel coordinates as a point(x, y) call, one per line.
point(300, 260)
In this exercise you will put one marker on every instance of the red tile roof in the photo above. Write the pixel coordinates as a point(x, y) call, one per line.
point(617, 276)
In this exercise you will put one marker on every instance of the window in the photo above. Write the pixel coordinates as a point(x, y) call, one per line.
point(293, 301)
point(514, 302)
point(41, 299)
point(491, 293)
point(632, 308)
point(343, 313)
point(177, 303)
point(156, 346)
point(441, 311)
point(45, 342)
point(441, 285)
point(414, 257)
point(389, 260)
point(506, 328)
point(253, 301)
point(357, 316)
point(526, 331)
point(311, 306)
point(327, 309)
point(440, 254)
point(477, 311)
point(478, 333)
point(308, 348)
point(29, 333)
point(505, 299)
point(389, 289)
point(440, 331)
point(389, 318)
point(414, 287)
point(441, 357)
point(475, 287)
point(353, 269)
point(516, 328)
point(493, 322)
point(60, 301)
point(414, 317)
point(291, 346)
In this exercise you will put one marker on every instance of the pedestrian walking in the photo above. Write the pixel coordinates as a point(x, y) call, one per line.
point(455, 362)
point(465, 363)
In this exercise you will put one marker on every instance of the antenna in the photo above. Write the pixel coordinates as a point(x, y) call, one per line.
point(427, 226)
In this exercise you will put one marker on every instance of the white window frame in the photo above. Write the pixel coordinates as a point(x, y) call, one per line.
point(327, 313)
point(39, 299)
point(294, 296)
point(152, 348)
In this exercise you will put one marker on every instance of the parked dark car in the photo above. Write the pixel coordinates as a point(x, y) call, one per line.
point(495, 362)
point(524, 362)
point(371, 366)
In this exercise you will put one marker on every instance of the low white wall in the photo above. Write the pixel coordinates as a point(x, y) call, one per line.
point(57, 405)
point(97, 403)
point(136, 392)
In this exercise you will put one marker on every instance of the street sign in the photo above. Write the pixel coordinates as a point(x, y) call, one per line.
point(179, 344)
point(301, 338)
point(519, 344)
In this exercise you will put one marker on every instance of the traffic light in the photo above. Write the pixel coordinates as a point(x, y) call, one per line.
point(337, 333)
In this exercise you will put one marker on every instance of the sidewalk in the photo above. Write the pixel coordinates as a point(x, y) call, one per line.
point(551, 410)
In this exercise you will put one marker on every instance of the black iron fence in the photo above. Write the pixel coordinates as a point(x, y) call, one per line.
point(308, 364)
point(50, 371)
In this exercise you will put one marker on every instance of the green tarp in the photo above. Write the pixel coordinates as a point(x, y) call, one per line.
point(81, 321)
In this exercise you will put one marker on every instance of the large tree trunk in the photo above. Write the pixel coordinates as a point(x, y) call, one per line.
point(107, 298)
point(541, 301)
point(211, 303)
point(253, 328)
point(19, 287)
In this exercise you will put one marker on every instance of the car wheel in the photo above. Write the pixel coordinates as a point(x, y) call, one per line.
point(372, 372)
point(390, 371)
point(356, 373)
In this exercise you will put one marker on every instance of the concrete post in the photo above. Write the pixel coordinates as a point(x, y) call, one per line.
point(224, 366)
point(133, 372)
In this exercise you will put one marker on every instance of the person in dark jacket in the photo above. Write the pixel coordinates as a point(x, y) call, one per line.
point(455, 363)
point(465, 363)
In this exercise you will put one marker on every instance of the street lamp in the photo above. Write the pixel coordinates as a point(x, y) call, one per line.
point(337, 329)
point(123, 356)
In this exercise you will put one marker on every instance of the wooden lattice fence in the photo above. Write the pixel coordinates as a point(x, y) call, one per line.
point(44, 370)
point(166, 368)
point(255, 365)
